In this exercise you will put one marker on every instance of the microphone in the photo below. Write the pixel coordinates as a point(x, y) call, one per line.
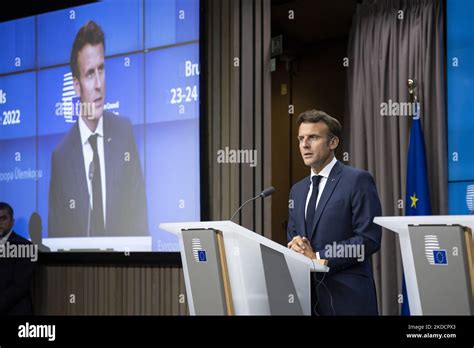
point(91, 176)
point(265, 193)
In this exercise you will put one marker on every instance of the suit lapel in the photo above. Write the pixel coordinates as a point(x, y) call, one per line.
point(301, 209)
point(331, 184)
point(80, 191)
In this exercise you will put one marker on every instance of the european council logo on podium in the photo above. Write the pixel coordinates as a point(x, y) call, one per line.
point(434, 254)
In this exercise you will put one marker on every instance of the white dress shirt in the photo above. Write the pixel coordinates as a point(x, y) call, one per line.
point(322, 183)
point(89, 154)
point(4, 239)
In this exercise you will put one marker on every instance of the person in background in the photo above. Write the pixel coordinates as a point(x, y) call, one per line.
point(16, 272)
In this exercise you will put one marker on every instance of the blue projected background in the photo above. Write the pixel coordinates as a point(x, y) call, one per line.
point(460, 70)
point(152, 78)
point(17, 40)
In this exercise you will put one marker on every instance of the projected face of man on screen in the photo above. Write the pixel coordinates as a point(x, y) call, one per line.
point(89, 73)
point(97, 187)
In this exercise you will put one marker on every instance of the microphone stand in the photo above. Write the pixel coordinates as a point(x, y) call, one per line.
point(267, 192)
point(247, 201)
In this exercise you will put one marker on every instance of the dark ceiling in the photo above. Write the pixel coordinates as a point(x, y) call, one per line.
point(315, 20)
point(24, 8)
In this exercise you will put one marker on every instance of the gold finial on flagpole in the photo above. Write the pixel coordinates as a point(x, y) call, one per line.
point(411, 90)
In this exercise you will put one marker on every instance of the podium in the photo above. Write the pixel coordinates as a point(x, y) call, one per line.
point(438, 262)
point(230, 270)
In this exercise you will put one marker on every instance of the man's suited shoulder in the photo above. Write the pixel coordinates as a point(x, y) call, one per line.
point(116, 124)
point(72, 135)
point(17, 239)
point(358, 178)
point(302, 183)
point(355, 172)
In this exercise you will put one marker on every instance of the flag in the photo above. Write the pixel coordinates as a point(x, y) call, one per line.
point(417, 200)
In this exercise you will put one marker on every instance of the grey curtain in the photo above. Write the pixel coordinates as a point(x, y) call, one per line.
point(391, 41)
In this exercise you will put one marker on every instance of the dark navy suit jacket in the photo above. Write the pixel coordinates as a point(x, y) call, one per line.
point(15, 282)
point(126, 206)
point(344, 214)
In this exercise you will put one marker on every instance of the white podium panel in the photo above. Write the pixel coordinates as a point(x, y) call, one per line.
point(401, 225)
point(246, 253)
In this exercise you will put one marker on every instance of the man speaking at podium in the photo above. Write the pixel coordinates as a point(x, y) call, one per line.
point(331, 216)
point(97, 187)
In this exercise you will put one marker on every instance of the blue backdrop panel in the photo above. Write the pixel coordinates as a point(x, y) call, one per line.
point(18, 105)
point(172, 84)
point(172, 177)
point(18, 177)
point(120, 20)
point(460, 55)
point(168, 22)
point(18, 45)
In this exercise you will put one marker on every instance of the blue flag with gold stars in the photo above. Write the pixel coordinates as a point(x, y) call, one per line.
point(417, 201)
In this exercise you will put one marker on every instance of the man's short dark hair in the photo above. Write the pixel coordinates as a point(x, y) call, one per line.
point(8, 208)
point(315, 116)
point(91, 34)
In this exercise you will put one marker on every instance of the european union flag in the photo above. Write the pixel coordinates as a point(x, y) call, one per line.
point(202, 256)
point(418, 193)
point(417, 201)
point(440, 257)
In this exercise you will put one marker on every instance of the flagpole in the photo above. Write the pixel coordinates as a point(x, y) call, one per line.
point(417, 196)
point(405, 307)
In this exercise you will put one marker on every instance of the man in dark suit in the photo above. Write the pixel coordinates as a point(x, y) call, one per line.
point(15, 272)
point(97, 187)
point(331, 216)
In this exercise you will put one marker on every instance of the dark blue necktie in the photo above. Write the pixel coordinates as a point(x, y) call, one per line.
point(98, 228)
point(311, 210)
